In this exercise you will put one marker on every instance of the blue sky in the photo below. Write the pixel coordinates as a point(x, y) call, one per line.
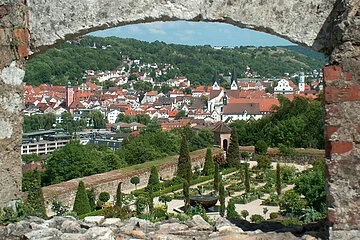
point(194, 33)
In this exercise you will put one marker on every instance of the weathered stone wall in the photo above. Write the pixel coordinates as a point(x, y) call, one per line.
point(331, 26)
point(342, 122)
point(14, 40)
point(52, 21)
point(107, 182)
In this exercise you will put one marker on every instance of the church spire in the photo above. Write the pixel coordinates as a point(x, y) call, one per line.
point(234, 85)
point(216, 85)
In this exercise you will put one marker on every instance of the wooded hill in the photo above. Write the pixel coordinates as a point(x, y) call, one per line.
point(198, 63)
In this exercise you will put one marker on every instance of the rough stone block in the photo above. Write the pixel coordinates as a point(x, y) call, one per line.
point(344, 235)
point(95, 219)
point(111, 221)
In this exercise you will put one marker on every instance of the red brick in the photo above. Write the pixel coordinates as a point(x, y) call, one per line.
point(343, 94)
point(329, 130)
point(332, 72)
point(348, 76)
point(19, 34)
point(341, 147)
point(23, 50)
point(331, 215)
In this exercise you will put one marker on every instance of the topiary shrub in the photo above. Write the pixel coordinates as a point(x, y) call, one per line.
point(245, 214)
point(256, 218)
point(135, 180)
point(81, 204)
point(104, 196)
point(274, 215)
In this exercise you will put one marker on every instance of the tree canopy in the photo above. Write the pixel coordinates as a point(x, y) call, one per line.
point(296, 124)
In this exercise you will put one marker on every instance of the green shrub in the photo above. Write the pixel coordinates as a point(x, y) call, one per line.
point(311, 215)
point(231, 211)
point(272, 200)
point(245, 214)
point(263, 162)
point(256, 218)
point(261, 147)
point(93, 213)
point(159, 213)
point(292, 202)
point(140, 204)
point(104, 196)
point(182, 217)
point(35, 198)
point(109, 212)
point(274, 215)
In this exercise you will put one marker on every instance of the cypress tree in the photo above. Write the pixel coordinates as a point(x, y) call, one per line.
point(278, 180)
point(153, 178)
point(118, 203)
point(233, 154)
point(184, 162)
point(81, 204)
point(91, 196)
point(35, 199)
point(222, 198)
point(186, 191)
point(247, 178)
point(151, 199)
point(209, 163)
point(216, 178)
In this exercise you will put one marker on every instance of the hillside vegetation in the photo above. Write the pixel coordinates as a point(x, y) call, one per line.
point(198, 63)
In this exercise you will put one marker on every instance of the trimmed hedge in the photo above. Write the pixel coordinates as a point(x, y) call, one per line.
point(172, 188)
point(94, 213)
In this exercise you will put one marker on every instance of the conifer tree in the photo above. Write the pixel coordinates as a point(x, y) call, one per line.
point(184, 162)
point(153, 178)
point(186, 191)
point(118, 203)
point(233, 154)
point(91, 196)
point(81, 204)
point(150, 199)
point(278, 180)
point(35, 199)
point(209, 163)
point(216, 178)
point(247, 177)
point(222, 198)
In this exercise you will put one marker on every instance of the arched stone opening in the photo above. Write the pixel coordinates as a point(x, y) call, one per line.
point(29, 27)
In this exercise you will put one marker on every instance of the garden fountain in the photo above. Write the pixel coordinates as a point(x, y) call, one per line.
point(205, 201)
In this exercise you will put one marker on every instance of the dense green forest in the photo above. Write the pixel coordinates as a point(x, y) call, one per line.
point(70, 60)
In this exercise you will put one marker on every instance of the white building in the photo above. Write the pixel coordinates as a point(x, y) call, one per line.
point(112, 116)
point(283, 87)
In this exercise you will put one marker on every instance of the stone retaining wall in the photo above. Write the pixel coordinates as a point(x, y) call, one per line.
point(65, 192)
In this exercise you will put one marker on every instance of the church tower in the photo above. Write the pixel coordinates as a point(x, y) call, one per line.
point(216, 85)
point(69, 94)
point(302, 82)
point(234, 85)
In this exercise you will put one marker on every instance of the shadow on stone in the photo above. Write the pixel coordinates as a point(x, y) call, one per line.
point(317, 229)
